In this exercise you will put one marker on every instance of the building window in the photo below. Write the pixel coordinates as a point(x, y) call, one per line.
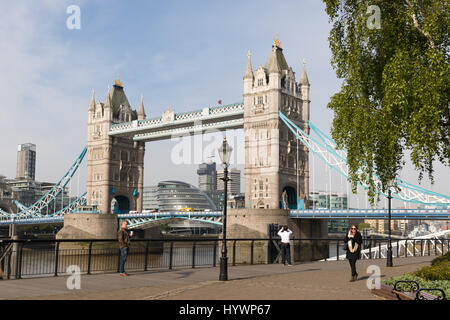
point(260, 100)
point(260, 82)
point(124, 156)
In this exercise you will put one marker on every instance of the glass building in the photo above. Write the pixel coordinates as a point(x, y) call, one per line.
point(207, 178)
point(325, 200)
point(175, 195)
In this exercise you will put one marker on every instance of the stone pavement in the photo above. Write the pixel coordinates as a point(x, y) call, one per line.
point(321, 280)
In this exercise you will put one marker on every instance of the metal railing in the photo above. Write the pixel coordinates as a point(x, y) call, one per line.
point(375, 248)
point(38, 258)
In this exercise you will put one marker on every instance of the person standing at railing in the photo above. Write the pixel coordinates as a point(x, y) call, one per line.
point(353, 241)
point(285, 246)
point(124, 244)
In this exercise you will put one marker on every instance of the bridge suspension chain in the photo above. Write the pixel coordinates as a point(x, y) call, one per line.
point(327, 150)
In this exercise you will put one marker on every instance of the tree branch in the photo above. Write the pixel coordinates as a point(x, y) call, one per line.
point(416, 24)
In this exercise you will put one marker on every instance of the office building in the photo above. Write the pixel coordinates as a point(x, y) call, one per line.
point(26, 161)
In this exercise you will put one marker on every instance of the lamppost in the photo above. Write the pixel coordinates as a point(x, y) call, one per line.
point(224, 154)
point(389, 251)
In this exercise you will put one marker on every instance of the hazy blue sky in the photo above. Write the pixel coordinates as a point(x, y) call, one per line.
point(184, 55)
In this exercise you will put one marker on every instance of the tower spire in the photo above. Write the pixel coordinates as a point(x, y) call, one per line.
point(249, 71)
point(117, 82)
point(108, 99)
point(141, 112)
point(304, 77)
point(92, 105)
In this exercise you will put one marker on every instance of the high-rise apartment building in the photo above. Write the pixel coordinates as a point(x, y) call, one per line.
point(26, 161)
point(207, 178)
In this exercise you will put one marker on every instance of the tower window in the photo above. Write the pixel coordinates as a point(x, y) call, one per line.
point(260, 82)
point(260, 100)
point(124, 156)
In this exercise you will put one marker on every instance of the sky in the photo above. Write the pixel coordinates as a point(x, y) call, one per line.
point(185, 55)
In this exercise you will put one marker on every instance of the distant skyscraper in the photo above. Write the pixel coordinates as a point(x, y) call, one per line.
point(234, 186)
point(26, 161)
point(207, 178)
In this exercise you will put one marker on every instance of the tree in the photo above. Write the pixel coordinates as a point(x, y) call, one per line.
point(395, 91)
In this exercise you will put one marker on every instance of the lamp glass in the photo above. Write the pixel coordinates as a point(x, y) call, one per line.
point(225, 152)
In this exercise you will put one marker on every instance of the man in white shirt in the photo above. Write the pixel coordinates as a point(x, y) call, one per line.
point(285, 246)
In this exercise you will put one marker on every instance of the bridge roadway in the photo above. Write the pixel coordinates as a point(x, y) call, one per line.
point(215, 217)
point(304, 281)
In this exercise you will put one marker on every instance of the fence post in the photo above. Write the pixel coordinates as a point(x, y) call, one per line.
point(337, 250)
point(406, 248)
point(429, 249)
point(234, 252)
point(414, 248)
point(193, 255)
point(19, 261)
point(251, 251)
point(89, 257)
point(146, 256)
point(118, 260)
point(171, 255)
point(442, 247)
point(313, 251)
point(56, 258)
point(379, 250)
point(421, 248)
point(215, 253)
point(398, 248)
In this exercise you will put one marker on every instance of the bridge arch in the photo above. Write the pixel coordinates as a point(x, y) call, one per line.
point(120, 204)
point(288, 198)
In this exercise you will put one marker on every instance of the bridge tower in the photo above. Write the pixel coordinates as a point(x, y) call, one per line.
point(271, 154)
point(115, 164)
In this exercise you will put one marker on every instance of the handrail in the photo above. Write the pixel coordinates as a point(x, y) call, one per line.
point(202, 239)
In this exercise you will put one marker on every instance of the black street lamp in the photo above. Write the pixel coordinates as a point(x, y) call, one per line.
point(224, 154)
point(389, 251)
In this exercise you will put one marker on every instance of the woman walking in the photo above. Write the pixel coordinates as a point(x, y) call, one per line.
point(353, 241)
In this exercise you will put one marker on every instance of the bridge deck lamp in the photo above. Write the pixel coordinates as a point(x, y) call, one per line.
point(389, 263)
point(224, 154)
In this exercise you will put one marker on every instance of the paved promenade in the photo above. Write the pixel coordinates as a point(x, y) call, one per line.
point(313, 280)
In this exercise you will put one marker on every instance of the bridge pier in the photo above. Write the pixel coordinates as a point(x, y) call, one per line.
point(253, 223)
point(89, 226)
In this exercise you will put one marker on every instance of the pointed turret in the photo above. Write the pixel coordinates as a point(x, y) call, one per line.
point(108, 99)
point(304, 77)
point(141, 113)
point(249, 71)
point(92, 105)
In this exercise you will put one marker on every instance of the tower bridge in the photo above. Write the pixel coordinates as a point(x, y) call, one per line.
point(117, 136)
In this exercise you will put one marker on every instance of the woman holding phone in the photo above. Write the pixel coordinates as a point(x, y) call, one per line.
point(353, 241)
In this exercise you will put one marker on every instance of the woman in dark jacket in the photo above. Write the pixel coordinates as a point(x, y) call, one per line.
point(353, 241)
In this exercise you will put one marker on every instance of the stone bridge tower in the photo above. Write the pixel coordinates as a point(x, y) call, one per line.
point(115, 165)
point(271, 154)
